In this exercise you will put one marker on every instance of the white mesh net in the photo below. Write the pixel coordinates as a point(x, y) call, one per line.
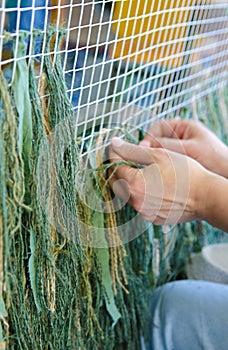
point(161, 55)
point(126, 63)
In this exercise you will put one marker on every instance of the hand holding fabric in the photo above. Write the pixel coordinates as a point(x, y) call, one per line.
point(165, 188)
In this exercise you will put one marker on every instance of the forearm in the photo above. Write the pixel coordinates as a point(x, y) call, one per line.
point(221, 164)
point(214, 204)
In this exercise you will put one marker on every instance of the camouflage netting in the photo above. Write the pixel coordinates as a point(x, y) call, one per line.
point(59, 292)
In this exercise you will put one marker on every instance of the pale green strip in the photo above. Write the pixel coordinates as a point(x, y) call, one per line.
point(20, 87)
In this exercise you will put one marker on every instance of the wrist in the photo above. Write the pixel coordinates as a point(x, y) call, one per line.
point(199, 188)
point(223, 166)
point(201, 194)
point(218, 160)
point(211, 200)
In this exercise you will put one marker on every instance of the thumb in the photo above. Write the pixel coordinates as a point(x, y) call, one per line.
point(128, 151)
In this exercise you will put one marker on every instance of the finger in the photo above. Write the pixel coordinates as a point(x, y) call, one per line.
point(130, 152)
point(120, 188)
point(175, 145)
point(125, 172)
point(162, 128)
point(172, 128)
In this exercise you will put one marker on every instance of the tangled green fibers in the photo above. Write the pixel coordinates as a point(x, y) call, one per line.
point(58, 292)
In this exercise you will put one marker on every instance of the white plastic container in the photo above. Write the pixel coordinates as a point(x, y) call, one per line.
point(211, 264)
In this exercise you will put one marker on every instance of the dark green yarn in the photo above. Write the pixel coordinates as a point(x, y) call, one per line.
point(54, 296)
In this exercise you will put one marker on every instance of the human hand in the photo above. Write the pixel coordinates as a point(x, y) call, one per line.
point(193, 139)
point(168, 189)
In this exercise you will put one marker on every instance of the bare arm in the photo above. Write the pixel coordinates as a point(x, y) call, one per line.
point(214, 208)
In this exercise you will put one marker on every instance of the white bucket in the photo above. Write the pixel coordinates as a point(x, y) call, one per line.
point(211, 264)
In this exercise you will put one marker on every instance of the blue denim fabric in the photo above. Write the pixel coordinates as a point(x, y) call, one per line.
point(189, 315)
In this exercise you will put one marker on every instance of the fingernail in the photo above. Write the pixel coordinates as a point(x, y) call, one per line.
point(117, 142)
point(144, 143)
